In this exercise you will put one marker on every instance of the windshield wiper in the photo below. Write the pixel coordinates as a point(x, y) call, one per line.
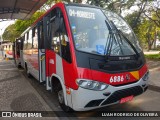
point(121, 33)
point(110, 39)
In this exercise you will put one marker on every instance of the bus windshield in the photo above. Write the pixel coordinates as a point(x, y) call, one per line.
point(91, 33)
point(121, 25)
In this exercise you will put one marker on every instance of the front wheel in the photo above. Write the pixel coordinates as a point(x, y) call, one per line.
point(61, 101)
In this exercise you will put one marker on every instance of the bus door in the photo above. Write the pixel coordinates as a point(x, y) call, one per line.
point(48, 53)
point(21, 51)
point(17, 50)
point(41, 53)
point(14, 53)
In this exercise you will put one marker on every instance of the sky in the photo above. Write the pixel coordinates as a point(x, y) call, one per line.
point(4, 25)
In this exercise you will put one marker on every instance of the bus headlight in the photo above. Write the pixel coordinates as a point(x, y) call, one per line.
point(146, 76)
point(90, 84)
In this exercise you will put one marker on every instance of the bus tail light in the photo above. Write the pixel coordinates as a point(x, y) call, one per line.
point(91, 85)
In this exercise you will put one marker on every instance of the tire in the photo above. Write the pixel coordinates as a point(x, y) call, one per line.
point(60, 96)
point(19, 66)
point(27, 71)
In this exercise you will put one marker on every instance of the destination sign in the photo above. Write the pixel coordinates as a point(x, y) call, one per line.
point(81, 14)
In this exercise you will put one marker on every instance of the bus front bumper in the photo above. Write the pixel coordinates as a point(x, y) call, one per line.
point(84, 99)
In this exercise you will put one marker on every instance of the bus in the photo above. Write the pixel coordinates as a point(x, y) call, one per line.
point(17, 49)
point(88, 56)
point(7, 47)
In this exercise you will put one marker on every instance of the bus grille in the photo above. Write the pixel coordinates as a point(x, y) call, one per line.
point(94, 103)
point(117, 95)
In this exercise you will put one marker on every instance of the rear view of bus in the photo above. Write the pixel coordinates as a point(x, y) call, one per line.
point(110, 63)
point(7, 50)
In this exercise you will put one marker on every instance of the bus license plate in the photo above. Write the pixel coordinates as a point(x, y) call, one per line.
point(126, 99)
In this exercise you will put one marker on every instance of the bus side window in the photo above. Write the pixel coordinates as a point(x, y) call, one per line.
point(35, 38)
point(29, 38)
point(59, 37)
point(41, 36)
point(65, 48)
point(25, 42)
point(55, 41)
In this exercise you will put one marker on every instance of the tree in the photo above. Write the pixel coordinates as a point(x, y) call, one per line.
point(21, 25)
point(50, 3)
point(131, 20)
point(11, 33)
point(117, 6)
point(147, 33)
point(153, 12)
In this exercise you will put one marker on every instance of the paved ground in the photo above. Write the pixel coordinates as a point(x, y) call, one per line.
point(154, 68)
point(19, 93)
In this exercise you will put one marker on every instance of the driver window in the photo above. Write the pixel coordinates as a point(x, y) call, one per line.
point(59, 36)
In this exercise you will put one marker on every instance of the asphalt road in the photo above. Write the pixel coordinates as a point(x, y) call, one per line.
point(20, 93)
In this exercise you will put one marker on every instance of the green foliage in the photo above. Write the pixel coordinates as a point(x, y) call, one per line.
point(21, 25)
point(153, 56)
point(114, 5)
point(146, 29)
point(146, 33)
point(131, 18)
point(144, 26)
point(11, 33)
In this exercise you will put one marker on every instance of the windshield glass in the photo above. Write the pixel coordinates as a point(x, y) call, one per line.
point(92, 35)
point(124, 28)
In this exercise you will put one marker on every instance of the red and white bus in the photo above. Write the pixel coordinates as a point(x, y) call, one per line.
point(7, 47)
point(89, 56)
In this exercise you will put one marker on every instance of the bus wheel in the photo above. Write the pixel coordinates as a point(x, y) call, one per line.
point(27, 71)
point(19, 66)
point(61, 101)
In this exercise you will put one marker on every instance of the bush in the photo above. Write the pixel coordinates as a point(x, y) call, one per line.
point(153, 56)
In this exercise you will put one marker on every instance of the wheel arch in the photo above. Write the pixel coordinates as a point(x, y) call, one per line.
point(54, 79)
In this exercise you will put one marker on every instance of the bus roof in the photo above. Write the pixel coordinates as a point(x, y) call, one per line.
point(60, 4)
point(63, 3)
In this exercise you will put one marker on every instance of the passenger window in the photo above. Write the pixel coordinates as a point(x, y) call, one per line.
point(25, 42)
point(59, 37)
point(35, 38)
point(29, 36)
point(65, 48)
point(41, 36)
point(56, 43)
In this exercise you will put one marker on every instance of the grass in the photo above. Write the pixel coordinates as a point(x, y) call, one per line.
point(153, 56)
